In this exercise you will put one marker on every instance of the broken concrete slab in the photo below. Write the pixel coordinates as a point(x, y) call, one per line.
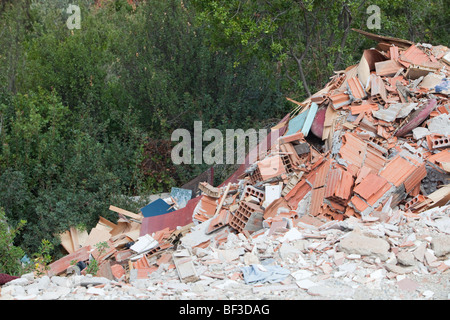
point(357, 243)
point(441, 245)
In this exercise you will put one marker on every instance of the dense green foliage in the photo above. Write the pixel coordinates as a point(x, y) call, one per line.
point(309, 39)
point(86, 115)
point(10, 254)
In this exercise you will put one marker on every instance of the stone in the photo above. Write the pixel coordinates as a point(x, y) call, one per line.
point(32, 289)
point(407, 284)
point(250, 258)
point(428, 294)
point(331, 291)
point(357, 243)
point(378, 274)
point(419, 252)
point(96, 291)
point(230, 254)
point(399, 269)
point(306, 284)
point(18, 290)
point(27, 297)
point(441, 245)
point(61, 281)
point(420, 132)
point(286, 250)
point(93, 281)
point(29, 276)
point(17, 282)
point(302, 274)
point(43, 283)
point(405, 258)
point(292, 235)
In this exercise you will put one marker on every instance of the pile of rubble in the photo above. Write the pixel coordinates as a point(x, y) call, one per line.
point(382, 166)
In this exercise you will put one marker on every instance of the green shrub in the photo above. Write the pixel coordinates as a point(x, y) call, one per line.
point(10, 254)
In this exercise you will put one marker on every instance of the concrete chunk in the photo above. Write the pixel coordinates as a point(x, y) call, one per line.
point(357, 243)
point(441, 245)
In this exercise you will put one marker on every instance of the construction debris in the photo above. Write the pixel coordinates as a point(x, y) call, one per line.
point(383, 163)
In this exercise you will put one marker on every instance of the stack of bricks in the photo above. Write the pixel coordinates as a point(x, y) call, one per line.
point(287, 163)
point(439, 141)
point(246, 217)
point(416, 203)
point(295, 178)
point(255, 176)
point(378, 90)
point(253, 192)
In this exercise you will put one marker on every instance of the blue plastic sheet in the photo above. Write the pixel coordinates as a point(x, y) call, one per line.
point(262, 274)
point(443, 87)
point(156, 208)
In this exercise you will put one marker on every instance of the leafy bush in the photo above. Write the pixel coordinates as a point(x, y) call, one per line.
point(10, 254)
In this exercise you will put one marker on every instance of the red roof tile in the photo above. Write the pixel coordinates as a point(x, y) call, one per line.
point(353, 149)
point(339, 184)
point(387, 68)
point(365, 107)
point(297, 193)
point(339, 100)
point(356, 88)
point(414, 179)
point(374, 159)
point(438, 158)
point(370, 185)
point(397, 170)
point(413, 55)
point(359, 204)
point(393, 52)
point(271, 167)
point(317, 198)
point(321, 174)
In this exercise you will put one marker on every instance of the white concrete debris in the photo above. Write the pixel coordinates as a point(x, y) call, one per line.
point(341, 260)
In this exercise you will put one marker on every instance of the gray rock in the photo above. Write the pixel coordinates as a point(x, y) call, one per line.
point(28, 276)
point(405, 258)
point(61, 281)
point(17, 282)
point(357, 243)
point(441, 245)
point(32, 289)
point(43, 283)
point(250, 258)
point(399, 269)
point(93, 281)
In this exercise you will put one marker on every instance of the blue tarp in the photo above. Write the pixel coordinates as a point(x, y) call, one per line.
point(443, 87)
point(264, 273)
point(156, 208)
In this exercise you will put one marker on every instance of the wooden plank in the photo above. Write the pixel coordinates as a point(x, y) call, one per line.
point(66, 241)
point(219, 207)
point(126, 213)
